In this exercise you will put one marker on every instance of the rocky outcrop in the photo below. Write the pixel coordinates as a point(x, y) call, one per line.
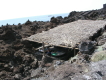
point(104, 6)
point(83, 15)
point(15, 62)
point(87, 47)
point(8, 34)
point(18, 60)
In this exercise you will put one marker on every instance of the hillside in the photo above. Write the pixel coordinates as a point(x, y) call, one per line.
point(18, 60)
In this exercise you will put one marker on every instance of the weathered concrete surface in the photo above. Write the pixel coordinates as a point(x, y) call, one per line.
point(69, 34)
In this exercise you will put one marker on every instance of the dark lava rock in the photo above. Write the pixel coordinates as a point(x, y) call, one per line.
point(16, 70)
point(59, 17)
point(53, 20)
point(17, 56)
point(87, 47)
point(9, 35)
point(26, 44)
point(1, 31)
point(27, 59)
point(28, 22)
point(101, 40)
point(34, 64)
point(71, 14)
point(104, 6)
point(6, 55)
point(17, 45)
point(19, 26)
point(34, 27)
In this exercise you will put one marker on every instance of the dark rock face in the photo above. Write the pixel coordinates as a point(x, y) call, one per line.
point(84, 15)
point(53, 20)
point(57, 20)
point(19, 26)
point(27, 22)
point(1, 31)
point(104, 6)
point(34, 64)
point(73, 13)
point(17, 44)
point(101, 40)
point(86, 47)
point(13, 59)
point(9, 34)
point(6, 55)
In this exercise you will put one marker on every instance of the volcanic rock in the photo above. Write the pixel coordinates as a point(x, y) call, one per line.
point(17, 58)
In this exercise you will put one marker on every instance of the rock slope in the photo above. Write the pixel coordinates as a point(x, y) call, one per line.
point(17, 58)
